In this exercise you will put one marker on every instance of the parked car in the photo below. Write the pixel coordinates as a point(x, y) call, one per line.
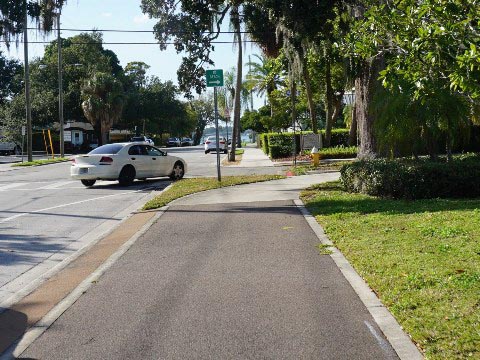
point(142, 139)
point(173, 142)
point(187, 142)
point(211, 144)
point(9, 147)
point(125, 162)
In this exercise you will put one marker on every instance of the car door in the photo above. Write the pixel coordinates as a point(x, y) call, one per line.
point(159, 162)
point(139, 159)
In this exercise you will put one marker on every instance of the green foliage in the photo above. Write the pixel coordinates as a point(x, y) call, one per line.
point(103, 101)
point(339, 137)
point(9, 70)
point(277, 145)
point(12, 15)
point(338, 152)
point(414, 179)
point(420, 257)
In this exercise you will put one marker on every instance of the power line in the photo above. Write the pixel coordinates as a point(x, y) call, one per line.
point(145, 31)
point(123, 43)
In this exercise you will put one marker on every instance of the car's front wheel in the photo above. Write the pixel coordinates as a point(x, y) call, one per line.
point(178, 171)
point(127, 175)
point(88, 183)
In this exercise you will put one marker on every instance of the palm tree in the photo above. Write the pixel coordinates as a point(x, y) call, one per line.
point(103, 101)
point(265, 76)
point(236, 24)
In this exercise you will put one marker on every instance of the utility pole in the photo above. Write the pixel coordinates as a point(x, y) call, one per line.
point(28, 108)
point(60, 87)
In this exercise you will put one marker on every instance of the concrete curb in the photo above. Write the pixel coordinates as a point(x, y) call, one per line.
point(400, 341)
point(17, 348)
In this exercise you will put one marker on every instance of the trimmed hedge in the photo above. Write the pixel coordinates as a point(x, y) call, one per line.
point(338, 152)
point(278, 145)
point(409, 179)
point(339, 137)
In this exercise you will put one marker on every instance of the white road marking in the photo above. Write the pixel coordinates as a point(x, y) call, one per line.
point(69, 204)
point(11, 186)
point(56, 185)
point(384, 345)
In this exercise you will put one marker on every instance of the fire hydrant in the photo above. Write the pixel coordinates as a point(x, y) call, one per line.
point(315, 156)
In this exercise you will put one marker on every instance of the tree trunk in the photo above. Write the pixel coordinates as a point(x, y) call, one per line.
point(365, 86)
point(329, 101)
point(311, 105)
point(352, 134)
point(238, 88)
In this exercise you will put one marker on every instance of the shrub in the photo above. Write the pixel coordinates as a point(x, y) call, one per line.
point(339, 137)
point(264, 142)
point(338, 152)
point(411, 179)
point(280, 145)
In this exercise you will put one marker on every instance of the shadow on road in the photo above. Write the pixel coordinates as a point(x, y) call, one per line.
point(13, 325)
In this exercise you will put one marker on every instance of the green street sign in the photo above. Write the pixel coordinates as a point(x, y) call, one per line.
point(214, 78)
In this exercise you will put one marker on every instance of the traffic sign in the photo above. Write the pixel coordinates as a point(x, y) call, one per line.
point(214, 78)
point(24, 130)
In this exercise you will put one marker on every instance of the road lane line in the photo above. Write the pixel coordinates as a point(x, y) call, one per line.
point(56, 185)
point(69, 204)
point(11, 186)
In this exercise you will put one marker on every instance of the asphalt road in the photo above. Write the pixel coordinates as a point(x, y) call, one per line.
point(45, 216)
point(238, 281)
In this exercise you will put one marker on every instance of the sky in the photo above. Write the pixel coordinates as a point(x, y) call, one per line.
point(127, 15)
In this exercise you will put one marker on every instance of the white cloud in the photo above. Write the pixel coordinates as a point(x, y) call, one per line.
point(140, 19)
point(107, 14)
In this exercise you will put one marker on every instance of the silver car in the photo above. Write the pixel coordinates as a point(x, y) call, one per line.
point(211, 144)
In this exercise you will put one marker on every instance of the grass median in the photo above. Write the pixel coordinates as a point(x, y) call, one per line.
point(422, 258)
point(40, 162)
point(190, 186)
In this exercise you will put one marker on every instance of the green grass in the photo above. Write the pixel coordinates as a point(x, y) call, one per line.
point(40, 162)
point(239, 151)
point(190, 186)
point(303, 169)
point(422, 258)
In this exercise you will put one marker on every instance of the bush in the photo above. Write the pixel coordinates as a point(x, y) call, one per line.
point(280, 145)
point(409, 179)
point(264, 142)
point(339, 137)
point(338, 152)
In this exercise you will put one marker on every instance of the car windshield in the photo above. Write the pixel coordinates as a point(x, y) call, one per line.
point(107, 149)
point(172, 139)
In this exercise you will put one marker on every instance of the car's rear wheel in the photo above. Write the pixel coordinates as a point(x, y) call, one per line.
point(88, 183)
point(127, 175)
point(178, 171)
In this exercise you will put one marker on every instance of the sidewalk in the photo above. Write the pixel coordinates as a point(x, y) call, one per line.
point(229, 273)
point(254, 157)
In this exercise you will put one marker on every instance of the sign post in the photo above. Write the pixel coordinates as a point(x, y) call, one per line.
point(215, 79)
point(24, 131)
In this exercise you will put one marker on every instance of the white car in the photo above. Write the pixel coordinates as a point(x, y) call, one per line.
point(125, 162)
point(143, 139)
point(211, 144)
